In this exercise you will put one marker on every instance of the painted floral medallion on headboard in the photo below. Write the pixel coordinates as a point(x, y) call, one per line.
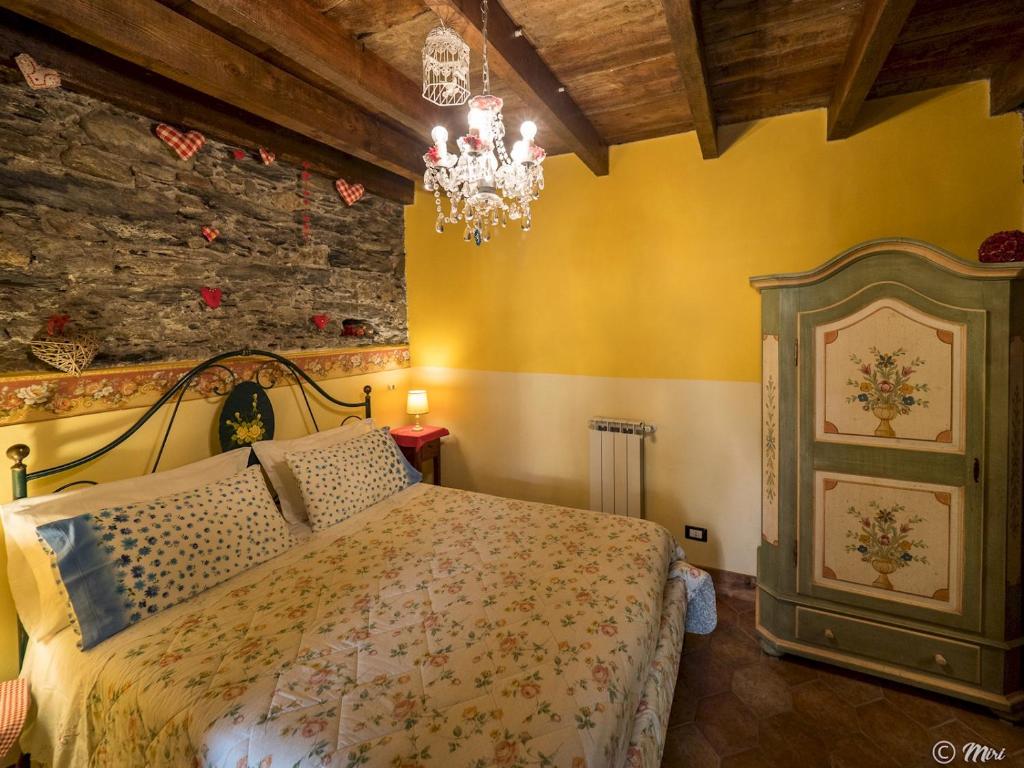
point(246, 417)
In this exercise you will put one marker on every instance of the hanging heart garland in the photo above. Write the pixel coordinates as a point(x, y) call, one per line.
point(210, 233)
point(37, 77)
point(267, 156)
point(320, 321)
point(350, 193)
point(211, 296)
point(184, 144)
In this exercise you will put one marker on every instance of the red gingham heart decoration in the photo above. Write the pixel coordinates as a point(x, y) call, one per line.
point(184, 144)
point(14, 705)
point(320, 321)
point(350, 193)
point(37, 77)
point(211, 296)
point(267, 156)
point(211, 234)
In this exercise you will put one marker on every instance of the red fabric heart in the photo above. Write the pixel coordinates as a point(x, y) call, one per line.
point(239, 154)
point(211, 296)
point(184, 144)
point(350, 193)
point(55, 324)
point(211, 234)
point(37, 77)
point(267, 156)
point(320, 321)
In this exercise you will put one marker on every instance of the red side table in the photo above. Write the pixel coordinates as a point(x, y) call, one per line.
point(420, 446)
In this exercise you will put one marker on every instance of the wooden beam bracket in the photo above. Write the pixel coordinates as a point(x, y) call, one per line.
point(880, 25)
point(687, 39)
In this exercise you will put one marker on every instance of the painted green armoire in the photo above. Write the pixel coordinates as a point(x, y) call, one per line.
point(892, 427)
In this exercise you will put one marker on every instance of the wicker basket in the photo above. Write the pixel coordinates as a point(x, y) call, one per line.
point(71, 354)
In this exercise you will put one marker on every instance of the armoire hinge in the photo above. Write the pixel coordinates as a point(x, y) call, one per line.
point(796, 353)
point(795, 555)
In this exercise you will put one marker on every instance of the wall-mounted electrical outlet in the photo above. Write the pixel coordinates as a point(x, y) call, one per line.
point(695, 533)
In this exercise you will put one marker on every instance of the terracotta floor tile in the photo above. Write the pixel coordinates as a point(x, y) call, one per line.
point(855, 752)
point(794, 741)
point(922, 707)
point(993, 731)
point(705, 674)
point(732, 645)
point(820, 705)
point(752, 758)
point(792, 669)
point(692, 643)
point(957, 734)
point(686, 747)
point(727, 723)
point(761, 689)
point(852, 688)
point(893, 732)
point(684, 705)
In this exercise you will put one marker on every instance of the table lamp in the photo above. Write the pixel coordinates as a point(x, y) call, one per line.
point(416, 405)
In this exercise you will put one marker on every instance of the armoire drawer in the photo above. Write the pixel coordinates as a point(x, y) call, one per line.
point(914, 650)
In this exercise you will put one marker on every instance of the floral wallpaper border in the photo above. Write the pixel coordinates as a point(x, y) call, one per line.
point(30, 396)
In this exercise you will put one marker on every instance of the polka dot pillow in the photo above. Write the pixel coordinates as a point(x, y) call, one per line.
point(339, 481)
point(122, 564)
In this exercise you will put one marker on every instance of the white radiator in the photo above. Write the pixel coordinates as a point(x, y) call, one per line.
point(617, 466)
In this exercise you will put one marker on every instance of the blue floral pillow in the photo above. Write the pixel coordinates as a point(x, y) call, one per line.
point(339, 481)
point(122, 564)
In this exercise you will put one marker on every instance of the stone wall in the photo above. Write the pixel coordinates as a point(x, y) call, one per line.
point(101, 221)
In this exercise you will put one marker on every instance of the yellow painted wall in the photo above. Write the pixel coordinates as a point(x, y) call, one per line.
point(644, 272)
point(193, 437)
point(630, 298)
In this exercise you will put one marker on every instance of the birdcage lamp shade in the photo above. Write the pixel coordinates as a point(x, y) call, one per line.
point(445, 68)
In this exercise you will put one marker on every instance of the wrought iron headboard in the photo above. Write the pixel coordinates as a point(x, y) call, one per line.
point(266, 376)
point(268, 372)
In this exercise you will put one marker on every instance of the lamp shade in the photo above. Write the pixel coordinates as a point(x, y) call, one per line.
point(416, 402)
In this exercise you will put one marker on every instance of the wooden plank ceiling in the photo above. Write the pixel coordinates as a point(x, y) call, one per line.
point(340, 78)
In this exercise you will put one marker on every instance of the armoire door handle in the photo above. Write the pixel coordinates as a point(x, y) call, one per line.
point(977, 470)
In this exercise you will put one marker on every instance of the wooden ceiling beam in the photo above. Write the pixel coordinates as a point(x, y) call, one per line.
point(514, 59)
point(86, 70)
point(300, 40)
point(876, 34)
point(687, 42)
point(158, 39)
point(1006, 87)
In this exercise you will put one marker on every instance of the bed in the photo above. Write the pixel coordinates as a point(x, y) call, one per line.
point(436, 627)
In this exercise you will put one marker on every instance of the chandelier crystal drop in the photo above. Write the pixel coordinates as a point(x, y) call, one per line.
point(486, 185)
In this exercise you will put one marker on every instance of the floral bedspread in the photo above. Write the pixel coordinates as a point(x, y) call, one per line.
point(450, 629)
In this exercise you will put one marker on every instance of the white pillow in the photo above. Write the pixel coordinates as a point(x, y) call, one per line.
point(339, 481)
point(39, 598)
point(271, 454)
point(125, 563)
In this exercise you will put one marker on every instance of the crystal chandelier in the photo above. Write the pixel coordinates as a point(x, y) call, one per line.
point(486, 185)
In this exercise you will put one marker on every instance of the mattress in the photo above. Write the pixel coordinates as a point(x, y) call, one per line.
point(440, 627)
